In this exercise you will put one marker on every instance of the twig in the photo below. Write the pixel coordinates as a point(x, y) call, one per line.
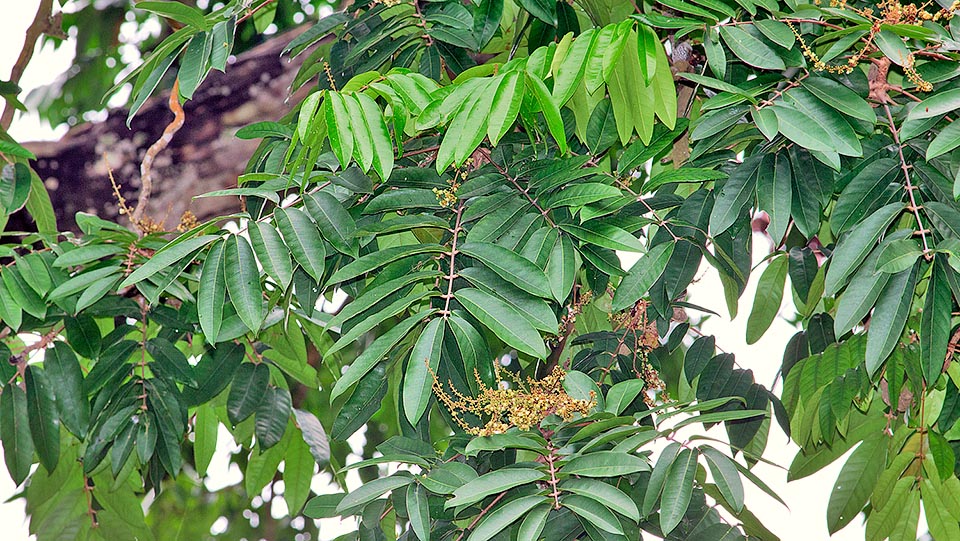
point(146, 175)
point(40, 25)
point(452, 273)
point(526, 193)
point(553, 482)
point(251, 12)
point(483, 512)
point(927, 254)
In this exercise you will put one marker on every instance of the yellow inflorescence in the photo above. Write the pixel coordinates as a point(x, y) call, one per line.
point(891, 12)
point(523, 407)
point(447, 197)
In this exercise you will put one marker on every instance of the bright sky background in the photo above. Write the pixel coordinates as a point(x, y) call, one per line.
point(807, 498)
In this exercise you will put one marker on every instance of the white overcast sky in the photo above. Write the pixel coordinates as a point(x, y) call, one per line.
point(806, 518)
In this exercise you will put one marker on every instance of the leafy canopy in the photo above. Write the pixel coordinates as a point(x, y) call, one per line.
point(469, 175)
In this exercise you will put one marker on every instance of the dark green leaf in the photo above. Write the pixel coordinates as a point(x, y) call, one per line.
point(247, 390)
point(15, 431)
point(42, 412)
point(504, 320)
point(422, 367)
point(273, 412)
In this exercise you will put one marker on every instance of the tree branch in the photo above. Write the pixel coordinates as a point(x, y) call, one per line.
point(146, 178)
point(40, 25)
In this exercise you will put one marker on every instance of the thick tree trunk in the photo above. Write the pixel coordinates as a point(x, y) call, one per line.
point(203, 156)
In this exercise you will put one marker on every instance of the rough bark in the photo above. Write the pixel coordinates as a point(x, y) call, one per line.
point(202, 157)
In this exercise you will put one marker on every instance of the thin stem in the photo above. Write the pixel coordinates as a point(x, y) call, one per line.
point(42, 23)
point(526, 193)
point(551, 458)
point(146, 177)
point(927, 254)
point(452, 273)
point(779, 92)
point(251, 12)
point(482, 513)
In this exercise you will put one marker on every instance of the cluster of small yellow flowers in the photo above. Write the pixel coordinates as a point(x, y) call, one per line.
point(914, 77)
point(891, 12)
point(329, 73)
point(187, 221)
point(524, 406)
point(447, 197)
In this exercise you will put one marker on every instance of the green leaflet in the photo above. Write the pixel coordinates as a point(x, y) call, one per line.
point(372, 490)
point(18, 446)
point(337, 117)
point(853, 247)
point(898, 255)
point(605, 464)
point(935, 321)
point(890, 316)
point(375, 260)
point(561, 268)
point(504, 320)
point(750, 49)
point(678, 489)
point(604, 235)
point(334, 222)
point(395, 308)
point(247, 390)
point(206, 427)
point(418, 510)
point(855, 482)
point(503, 516)
point(422, 367)
point(272, 416)
point(303, 238)
point(63, 367)
point(549, 109)
point(642, 276)
point(243, 281)
point(505, 106)
point(166, 257)
point(492, 483)
point(42, 414)
point(594, 512)
point(737, 192)
point(947, 140)
point(606, 494)
point(774, 194)
point(769, 296)
point(512, 267)
point(840, 97)
point(725, 476)
point(211, 293)
point(271, 252)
